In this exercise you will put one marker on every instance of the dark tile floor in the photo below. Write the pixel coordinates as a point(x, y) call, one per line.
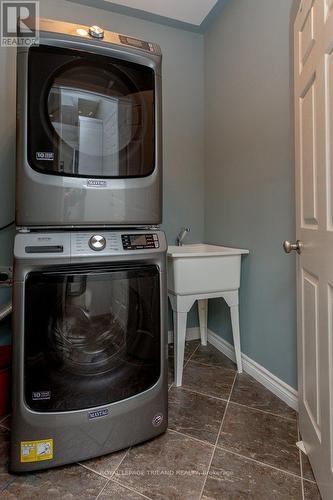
point(228, 438)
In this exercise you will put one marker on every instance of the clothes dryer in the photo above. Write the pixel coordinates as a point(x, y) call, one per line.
point(89, 148)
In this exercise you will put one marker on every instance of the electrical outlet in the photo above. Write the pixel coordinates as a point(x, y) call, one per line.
point(6, 274)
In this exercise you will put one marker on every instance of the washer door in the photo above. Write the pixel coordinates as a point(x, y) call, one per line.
point(92, 336)
point(89, 115)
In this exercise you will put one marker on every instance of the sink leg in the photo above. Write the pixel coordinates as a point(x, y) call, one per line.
point(203, 313)
point(234, 311)
point(179, 321)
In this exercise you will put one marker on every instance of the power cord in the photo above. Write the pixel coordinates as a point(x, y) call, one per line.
point(7, 225)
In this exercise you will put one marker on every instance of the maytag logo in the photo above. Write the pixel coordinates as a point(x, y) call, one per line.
point(96, 183)
point(98, 413)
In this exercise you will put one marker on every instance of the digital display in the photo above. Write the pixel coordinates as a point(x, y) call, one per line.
point(134, 42)
point(140, 241)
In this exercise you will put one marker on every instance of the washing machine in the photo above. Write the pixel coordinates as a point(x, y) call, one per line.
point(89, 147)
point(89, 344)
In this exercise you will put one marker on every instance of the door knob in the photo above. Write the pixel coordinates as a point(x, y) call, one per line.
point(289, 247)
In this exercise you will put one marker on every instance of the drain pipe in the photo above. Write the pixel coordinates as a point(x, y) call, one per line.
point(6, 310)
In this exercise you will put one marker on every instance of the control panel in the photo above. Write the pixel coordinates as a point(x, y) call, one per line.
point(96, 33)
point(140, 241)
point(67, 245)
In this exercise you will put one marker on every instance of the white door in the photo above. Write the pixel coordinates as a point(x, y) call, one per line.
point(313, 42)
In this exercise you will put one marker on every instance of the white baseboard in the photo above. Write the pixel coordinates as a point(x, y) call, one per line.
point(191, 334)
point(282, 390)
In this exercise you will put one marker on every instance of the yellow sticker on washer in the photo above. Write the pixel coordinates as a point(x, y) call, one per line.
point(35, 451)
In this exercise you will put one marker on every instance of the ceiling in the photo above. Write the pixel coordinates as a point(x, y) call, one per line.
point(187, 11)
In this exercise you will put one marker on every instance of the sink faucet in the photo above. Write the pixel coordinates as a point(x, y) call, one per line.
point(182, 235)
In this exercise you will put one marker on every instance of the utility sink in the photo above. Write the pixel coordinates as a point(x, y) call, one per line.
point(201, 268)
point(198, 273)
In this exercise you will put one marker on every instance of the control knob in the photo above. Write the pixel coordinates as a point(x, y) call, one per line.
point(97, 242)
point(96, 32)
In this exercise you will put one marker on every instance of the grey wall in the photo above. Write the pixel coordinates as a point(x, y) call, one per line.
point(183, 118)
point(249, 173)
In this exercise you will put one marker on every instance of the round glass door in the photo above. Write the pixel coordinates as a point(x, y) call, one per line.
point(91, 337)
point(96, 116)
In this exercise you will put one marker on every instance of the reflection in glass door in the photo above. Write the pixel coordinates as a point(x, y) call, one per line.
point(94, 115)
point(92, 336)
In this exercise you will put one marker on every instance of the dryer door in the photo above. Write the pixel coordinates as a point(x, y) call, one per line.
point(89, 115)
point(92, 336)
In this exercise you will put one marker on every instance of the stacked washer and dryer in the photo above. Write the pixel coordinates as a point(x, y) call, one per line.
point(90, 356)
